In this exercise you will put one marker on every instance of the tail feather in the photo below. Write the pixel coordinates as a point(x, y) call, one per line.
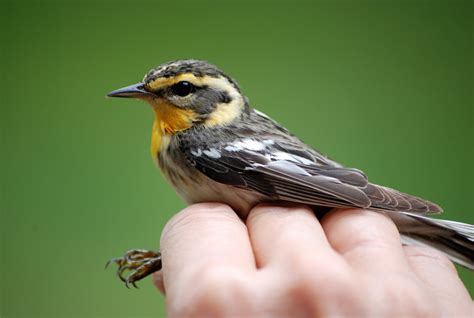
point(455, 239)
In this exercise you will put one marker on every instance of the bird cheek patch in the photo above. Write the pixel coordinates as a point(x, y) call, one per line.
point(225, 113)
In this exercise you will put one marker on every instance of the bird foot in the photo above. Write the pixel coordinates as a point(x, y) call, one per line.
point(141, 263)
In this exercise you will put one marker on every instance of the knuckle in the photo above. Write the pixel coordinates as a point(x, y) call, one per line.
point(404, 295)
point(304, 269)
point(215, 292)
point(196, 213)
point(362, 228)
point(319, 283)
point(282, 209)
point(430, 255)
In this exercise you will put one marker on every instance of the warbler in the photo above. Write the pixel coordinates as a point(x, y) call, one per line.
point(211, 145)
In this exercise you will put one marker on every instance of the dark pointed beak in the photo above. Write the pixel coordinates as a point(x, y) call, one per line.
point(133, 91)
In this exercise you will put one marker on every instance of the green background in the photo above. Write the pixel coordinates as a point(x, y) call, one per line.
point(382, 86)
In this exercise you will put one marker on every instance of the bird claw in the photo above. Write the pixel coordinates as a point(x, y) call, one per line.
point(140, 263)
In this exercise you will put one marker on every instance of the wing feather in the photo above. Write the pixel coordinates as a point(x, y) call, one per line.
point(283, 179)
point(283, 168)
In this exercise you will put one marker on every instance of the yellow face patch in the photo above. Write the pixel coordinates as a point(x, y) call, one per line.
point(169, 120)
point(224, 113)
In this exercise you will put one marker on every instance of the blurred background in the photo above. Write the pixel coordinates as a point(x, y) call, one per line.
point(386, 87)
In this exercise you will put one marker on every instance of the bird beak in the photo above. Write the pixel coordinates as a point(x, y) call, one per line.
point(133, 91)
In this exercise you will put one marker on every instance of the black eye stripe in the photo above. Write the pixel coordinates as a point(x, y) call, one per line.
point(183, 88)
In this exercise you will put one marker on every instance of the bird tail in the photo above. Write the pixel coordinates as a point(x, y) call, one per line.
point(455, 239)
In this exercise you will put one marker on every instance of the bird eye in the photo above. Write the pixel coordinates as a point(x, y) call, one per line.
point(182, 88)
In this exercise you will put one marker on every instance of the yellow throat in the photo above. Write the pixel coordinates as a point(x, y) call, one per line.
point(169, 120)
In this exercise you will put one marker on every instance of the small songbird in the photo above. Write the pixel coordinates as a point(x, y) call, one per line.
point(212, 145)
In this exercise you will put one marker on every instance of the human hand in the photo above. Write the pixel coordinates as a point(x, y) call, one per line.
point(284, 262)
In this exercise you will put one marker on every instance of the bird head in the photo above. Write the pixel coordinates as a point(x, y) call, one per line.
point(185, 93)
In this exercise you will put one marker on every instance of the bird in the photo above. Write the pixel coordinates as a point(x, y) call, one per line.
point(211, 145)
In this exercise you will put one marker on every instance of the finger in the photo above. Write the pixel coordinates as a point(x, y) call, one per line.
point(283, 233)
point(368, 240)
point(158, 282)
point(201, 237)
point(439, 275)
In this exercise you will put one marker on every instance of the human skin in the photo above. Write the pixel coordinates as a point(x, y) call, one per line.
point(283, 261)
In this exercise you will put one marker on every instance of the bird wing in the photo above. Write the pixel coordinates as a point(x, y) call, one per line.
point(291, 171)
point(280, 174)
